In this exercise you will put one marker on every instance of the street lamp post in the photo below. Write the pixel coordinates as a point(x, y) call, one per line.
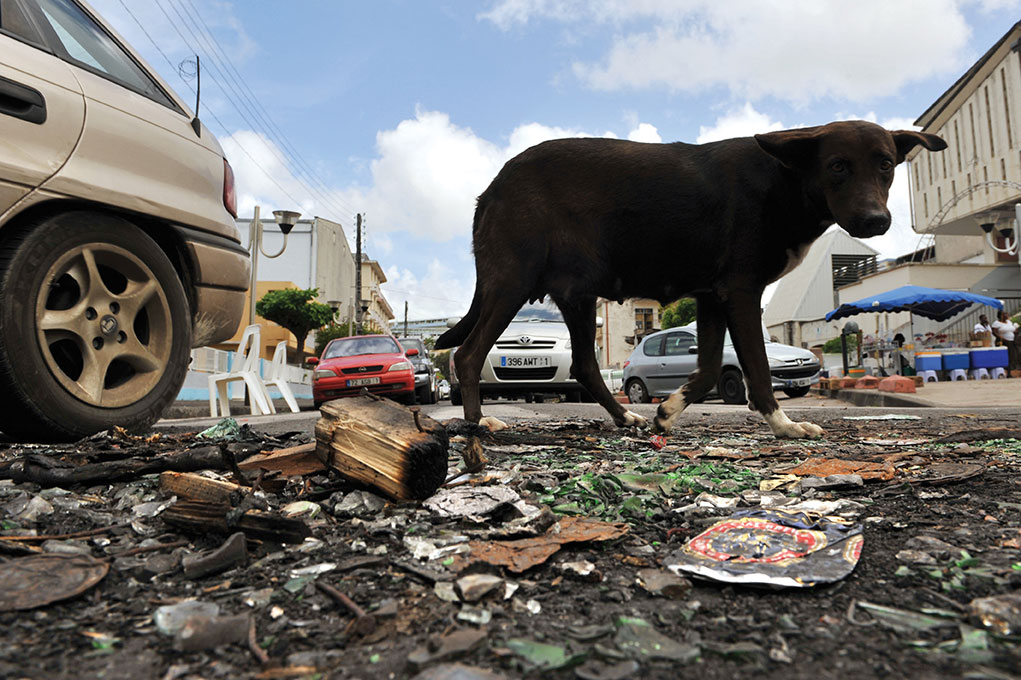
point(286, 219)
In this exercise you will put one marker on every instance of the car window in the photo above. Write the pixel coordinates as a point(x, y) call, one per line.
point(653, 347)
point(15, 22)
point(88, 45)
point(677, 344)
point(351, 347)
point(412, 343)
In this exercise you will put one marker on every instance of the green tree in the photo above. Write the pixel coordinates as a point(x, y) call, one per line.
point(296, 310)
point(678, 313)
point(334, 329)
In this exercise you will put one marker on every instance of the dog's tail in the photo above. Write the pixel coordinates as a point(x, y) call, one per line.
point(456, 335)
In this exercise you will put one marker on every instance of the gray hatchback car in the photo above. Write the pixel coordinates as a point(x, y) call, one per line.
point(664, 360)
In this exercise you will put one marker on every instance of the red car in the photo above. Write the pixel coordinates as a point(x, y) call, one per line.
point(374, 362)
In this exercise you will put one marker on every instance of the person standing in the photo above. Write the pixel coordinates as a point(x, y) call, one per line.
point(1006, 330)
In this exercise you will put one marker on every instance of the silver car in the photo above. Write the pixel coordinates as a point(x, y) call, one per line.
point(532, 358)
point(664, 360)
point(118, 248)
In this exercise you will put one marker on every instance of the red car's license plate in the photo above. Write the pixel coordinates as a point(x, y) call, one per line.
point(358, 382)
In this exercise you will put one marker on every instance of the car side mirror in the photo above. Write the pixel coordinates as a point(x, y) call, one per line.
point(312, 361)
point(693, 349)
point(453, 321)
point(413, 352)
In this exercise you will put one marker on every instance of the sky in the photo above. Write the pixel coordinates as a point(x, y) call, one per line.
point(405, 110)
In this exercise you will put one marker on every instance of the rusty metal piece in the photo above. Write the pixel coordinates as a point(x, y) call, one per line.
point(363, 623)
point(37, 580)
point(415, 411)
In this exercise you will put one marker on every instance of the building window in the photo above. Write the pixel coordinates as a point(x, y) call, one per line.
point(928, 159)
point(957, 145)
point(974, 138)
point(1006, 109)
point(971, 195)
point(943, 157)
point(939, 197)
point(848, 269)
point(918, 180)
point(985, 178)
point(644, 320)
point(925, 203)
point(1003, 170)
point(989, 121)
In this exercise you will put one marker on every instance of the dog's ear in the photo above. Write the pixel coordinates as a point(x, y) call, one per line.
point(793, 148)
point(909, 139)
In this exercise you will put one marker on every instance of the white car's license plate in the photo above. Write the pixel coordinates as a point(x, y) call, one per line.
point(799, 382)
point(524, 362)
point(358, 382)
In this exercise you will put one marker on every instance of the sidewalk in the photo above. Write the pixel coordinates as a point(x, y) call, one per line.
point(959, 394)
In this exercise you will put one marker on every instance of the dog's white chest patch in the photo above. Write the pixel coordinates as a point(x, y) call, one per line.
point(794, 258)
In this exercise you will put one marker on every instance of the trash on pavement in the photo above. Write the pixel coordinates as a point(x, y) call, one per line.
point(885, 416)
point(1000, 613)
point(36, 580)
point(539, 656)
point(227, 428)
point(824, 467)
point(637, 639)
point(525, 553)
point(231, 553)
point(664, 583)
point(773, 548)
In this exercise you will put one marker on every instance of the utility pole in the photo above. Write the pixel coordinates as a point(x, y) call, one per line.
point(405, 318)
point(358, 274)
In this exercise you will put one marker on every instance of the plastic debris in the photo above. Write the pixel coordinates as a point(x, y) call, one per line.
point(658, 441)
point(885, 416)
point(539, 656)
point(37, 580)
point(904, 621)
point(227, 428)
point(474, 587)
point(449, 646)
point(773, 548)
point(581, 570)
point(171, 618)
point(476, 503)
point(638, 639)
point(664, 583)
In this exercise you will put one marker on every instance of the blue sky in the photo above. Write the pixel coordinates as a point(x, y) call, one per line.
point(404, 110)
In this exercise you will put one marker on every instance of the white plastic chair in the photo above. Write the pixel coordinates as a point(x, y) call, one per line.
point(246, 368)
point(276, 375)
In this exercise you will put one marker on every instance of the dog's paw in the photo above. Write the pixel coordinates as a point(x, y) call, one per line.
point(632, 419)
point(492, 424)
point(785, 428)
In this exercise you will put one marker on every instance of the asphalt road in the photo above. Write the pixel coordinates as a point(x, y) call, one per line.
point(512, 411)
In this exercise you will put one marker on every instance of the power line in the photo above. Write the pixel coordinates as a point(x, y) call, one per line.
point(266, 118)
point(209, 44)
point(212, 113)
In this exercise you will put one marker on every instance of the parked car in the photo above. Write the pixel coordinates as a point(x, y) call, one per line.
point(531, 359)
point(373, 362)
point(444, 389)
point(118, 247)
point(664, 360)
point(425, 374)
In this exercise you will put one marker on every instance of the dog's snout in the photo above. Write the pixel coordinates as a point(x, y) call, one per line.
point(875, 223)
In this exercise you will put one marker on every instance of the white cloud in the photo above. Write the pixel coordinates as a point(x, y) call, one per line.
point(645, 132)
point(742, 122)
point(437, 293)
point(262, 177)
point(794, 51)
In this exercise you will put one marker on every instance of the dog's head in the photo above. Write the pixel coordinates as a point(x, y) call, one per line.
point(850, 166)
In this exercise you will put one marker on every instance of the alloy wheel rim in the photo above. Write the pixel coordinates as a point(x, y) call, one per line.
point(103, 325)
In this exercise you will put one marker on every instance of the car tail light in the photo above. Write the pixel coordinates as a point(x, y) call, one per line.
point(625, 364)
point(230, 197)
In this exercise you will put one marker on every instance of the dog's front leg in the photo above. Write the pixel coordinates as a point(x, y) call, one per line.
point(745, 324)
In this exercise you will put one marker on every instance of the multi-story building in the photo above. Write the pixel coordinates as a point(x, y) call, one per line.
point(376, 310)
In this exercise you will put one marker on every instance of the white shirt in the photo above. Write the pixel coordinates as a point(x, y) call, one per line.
point(979, 328)
point(1005, 330)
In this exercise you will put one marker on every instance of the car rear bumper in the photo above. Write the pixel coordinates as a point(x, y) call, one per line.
point(221, 271)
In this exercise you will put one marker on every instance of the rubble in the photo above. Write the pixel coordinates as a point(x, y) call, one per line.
point(552, 548)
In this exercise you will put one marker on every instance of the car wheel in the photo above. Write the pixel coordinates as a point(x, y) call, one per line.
point(795, 392)
point(421, 395)
point(731, 387)
point(455, 396)
point(529, 398)
point(636, 392)
point(95, 329)
point(574, 397)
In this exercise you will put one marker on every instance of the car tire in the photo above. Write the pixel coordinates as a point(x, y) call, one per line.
point(795, 392)
point(95, 328)
point(455, 396)
point(731, 387)
point(637, 392)
point(422, 395)
point(574, 397)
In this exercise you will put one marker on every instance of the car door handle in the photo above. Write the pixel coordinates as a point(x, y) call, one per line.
point(22, 101)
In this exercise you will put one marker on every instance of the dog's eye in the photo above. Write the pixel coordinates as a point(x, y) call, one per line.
point(837, 167)
point(886, 165)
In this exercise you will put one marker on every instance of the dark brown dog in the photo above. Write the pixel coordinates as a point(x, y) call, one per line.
point(578, 219)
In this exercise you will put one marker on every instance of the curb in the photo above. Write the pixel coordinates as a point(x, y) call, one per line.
point(875, 398)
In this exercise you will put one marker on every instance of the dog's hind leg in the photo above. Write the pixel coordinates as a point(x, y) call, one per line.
point(498, 307)
point(745, 323)
point(579, 316)
point(712, 325)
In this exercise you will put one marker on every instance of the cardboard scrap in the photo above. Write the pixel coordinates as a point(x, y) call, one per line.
point(523, 554)
point(824, 467)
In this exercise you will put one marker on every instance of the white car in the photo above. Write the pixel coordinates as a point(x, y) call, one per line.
point(532, 358)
